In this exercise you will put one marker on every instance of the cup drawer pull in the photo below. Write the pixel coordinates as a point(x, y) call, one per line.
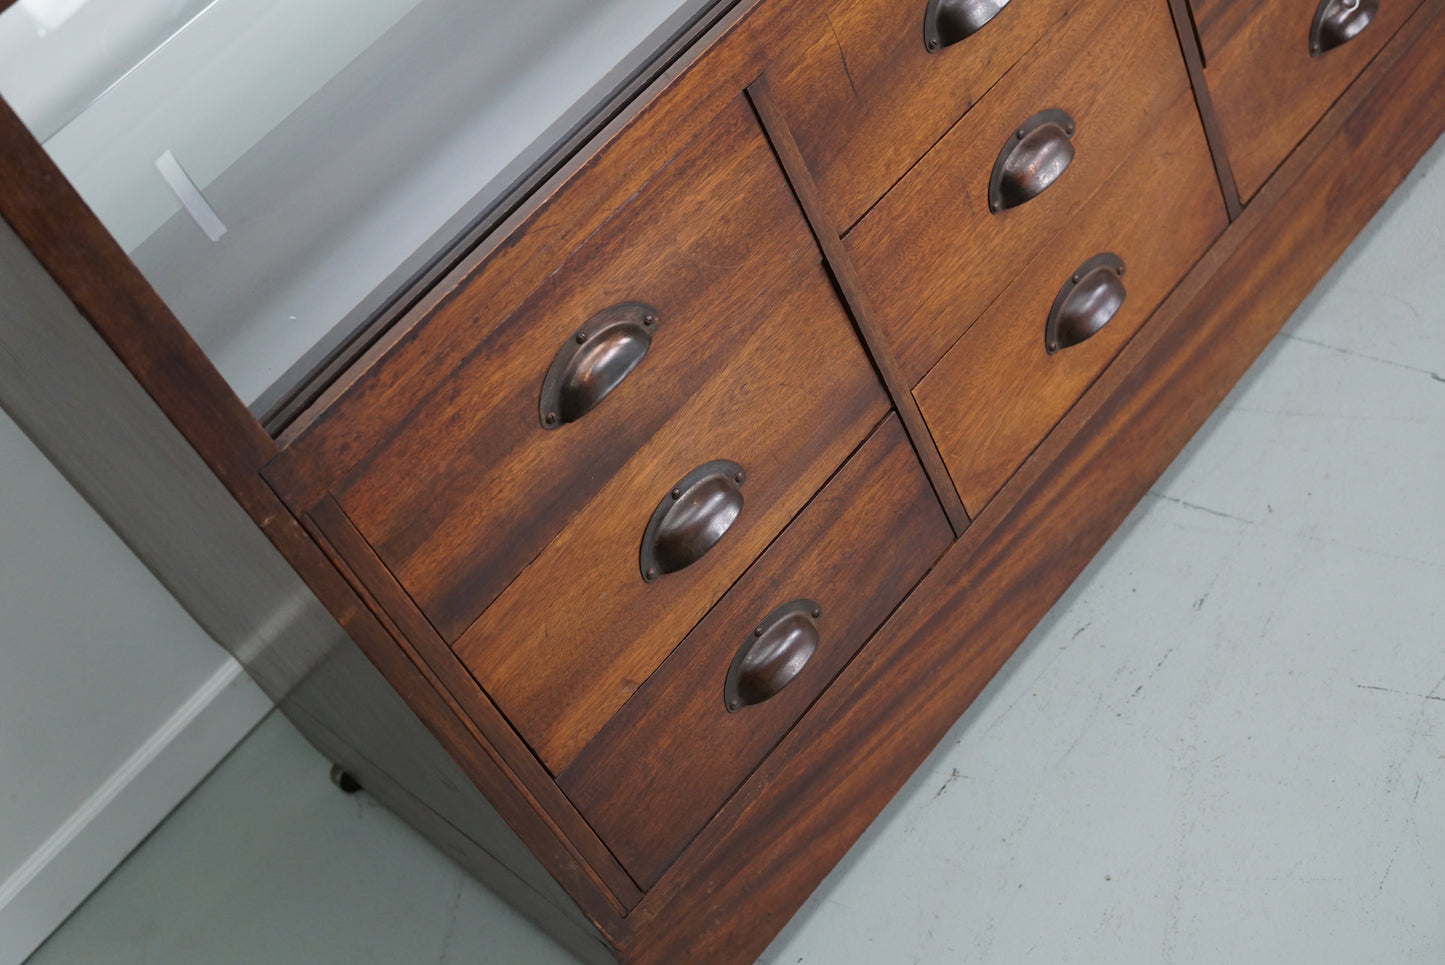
point(594, 360)
point(692, 518)
point(1088, 300)
point(1034, 157)
point(773, 654)
point(946, 22)
point(1337, 22)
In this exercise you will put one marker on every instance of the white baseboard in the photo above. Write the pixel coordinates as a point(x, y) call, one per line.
point(125, 808)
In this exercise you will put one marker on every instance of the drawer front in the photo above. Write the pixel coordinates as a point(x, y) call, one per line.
point(668, 760)
point(1267, 86)
point(865, 99)
point(932, 256)
point(998, 391)
point(465, 488)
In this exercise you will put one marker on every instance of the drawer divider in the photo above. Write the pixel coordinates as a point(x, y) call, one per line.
point(851, 288)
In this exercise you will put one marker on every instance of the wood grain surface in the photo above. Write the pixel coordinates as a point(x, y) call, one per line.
point(1266, 87)
point(579, 630)
point(930, 254)
point(467, 487)
point(998, 391)
point(664, 764)
point(866, 99)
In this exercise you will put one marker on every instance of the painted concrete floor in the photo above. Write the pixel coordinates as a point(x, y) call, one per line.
point(1225, 744)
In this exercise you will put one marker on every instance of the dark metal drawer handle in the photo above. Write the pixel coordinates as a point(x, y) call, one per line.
point(1086, 303)
point(692, 518)
point(1337, 22)
point(773, 654)
point(946, 22)
point(594, 360)
point(1033, 158)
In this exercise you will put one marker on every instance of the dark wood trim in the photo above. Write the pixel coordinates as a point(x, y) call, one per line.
point(64, 387)
point(490, 731)
point(110, 292)
point(805, 189)
point(1194, 62)
point(982, 600)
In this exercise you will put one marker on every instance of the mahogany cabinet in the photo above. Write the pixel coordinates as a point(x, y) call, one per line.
point(684, 504)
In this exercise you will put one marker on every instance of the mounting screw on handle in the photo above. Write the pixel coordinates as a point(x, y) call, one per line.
point(1090, 298)
point(692, 517)
point(946, 22)
point(1033, 158)
point(772, 655)
point(594, 360)
point(1337, 22)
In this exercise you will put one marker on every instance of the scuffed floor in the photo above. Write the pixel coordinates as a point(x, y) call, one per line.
point(1226, 744)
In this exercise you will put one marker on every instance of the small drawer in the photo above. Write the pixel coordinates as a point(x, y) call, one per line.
point(932, 255)
point(1268, 85)
point(659, 770)
point(865, 98)
point(1000, 389)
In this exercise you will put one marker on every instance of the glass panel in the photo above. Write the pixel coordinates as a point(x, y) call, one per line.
point(277, 167)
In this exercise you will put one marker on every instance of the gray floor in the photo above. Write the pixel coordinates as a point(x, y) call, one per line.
point(1226, 743)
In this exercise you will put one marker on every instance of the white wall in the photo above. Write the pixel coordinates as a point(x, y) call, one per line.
point(113, 702)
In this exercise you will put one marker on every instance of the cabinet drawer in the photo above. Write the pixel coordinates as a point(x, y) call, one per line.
point(865, 98)
point(674, 753)
point(461, 486)
point(1268, 88)
point(999, 390)
point(931, 254)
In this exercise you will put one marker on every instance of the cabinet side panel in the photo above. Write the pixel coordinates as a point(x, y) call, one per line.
point(66, 389)
point(86, 412)
point(349, 712)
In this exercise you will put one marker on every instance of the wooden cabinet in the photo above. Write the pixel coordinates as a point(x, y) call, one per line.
point(842, 426)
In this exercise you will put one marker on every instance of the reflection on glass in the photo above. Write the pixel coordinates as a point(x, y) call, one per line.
point(275, 167)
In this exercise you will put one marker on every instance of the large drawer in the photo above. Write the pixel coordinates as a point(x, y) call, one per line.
point(674, 753)
point(865, 98)
point(933, 256)
point(519, 542)
point(1000, 389)
point(1269, 87)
